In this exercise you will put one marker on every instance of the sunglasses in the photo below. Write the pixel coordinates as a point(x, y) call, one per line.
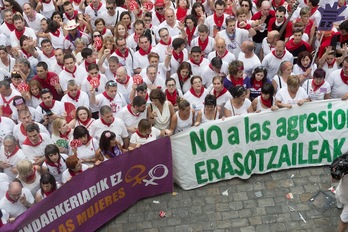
point(160, 8)
point(96, 36)
point(110, 8)
point(111, 84)
point(279, 16)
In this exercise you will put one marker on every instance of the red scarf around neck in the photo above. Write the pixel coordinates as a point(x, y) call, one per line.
point(330, 65)
point(315, 86)
point(225, 53)
point(19, 33)
point(257, 84)
point(194, 62)
point(32, 176)
point(160, 17)
point(181, 13)
point(267, 103)
point(168, 44)
point(141, 136)
point(72, 17)
point(10, 26)
point(203, 44)
point(107, 97)
point(129, 108)
point(9, 198)
point(56, 33)
point(76, 98)
point(29, 143)
point(190, 34)
point(273, 52)
point(237, 82)
point(344, 77)
point(72, 173)
point(105, 123)
point(194, 93)
point(172, 97)
point(178, 57)
point(121, 55)
point(218, 20)
point(182, 79)
point(49, 55)
point(223, 91)
point(143, 53)
point(73, 72)
point(55, 165)
point(98, 7)
point(42, 104)
point(13, 153)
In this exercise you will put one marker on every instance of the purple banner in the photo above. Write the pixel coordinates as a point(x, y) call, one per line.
point(97, 195)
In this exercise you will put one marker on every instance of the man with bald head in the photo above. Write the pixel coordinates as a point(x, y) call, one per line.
point(125, 83)
point(221, 51)
point(170, 23)
point(248, 57)
point(268, 43)
point(17, 199)
point(261, 20)
point(273, 60)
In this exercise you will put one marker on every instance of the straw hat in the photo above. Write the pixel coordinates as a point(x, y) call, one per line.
point(71, 25)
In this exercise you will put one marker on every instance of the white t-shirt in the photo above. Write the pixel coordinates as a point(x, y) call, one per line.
point(238, 111)
point(284, 97)
point(338, 87)
point(66, 176)
point(138, 139)
point(319, 93)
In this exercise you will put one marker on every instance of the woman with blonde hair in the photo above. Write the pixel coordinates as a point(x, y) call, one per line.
point(61, 134)
point(184, 118)
point(292, 94)
point(280, 80)
point(29, 175)
point(120, 30)
point(108, 43)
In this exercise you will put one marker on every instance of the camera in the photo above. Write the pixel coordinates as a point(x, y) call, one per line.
point(339, 167)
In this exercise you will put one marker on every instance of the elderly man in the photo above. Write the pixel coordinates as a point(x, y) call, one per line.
point(273, 60)
point(20, 29)
point(17, 200)
point(174, 27)
point(32, 18)
point(268, 43)
point(221, 51)
point(152, 80)
point(124, 83)
point(249, 58)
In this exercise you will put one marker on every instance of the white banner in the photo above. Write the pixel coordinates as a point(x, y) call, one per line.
point(311, 135)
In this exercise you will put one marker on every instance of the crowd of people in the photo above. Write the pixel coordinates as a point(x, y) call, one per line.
point(83, 81)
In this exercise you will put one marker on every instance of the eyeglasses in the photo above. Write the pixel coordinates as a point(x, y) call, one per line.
point(160, 8)
point(279, 16)
point(261, 68)
point(111, 84)
point(96, 36)
point(110, 8)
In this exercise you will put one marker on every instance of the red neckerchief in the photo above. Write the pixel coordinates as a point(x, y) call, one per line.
point(291, 46)
point(107, 97)
point(12, 153)
point(178, 57)
point(9, 198)
point(143, 53)
point(273, 52)
point(60, 65)
point(73, 17)
point(267, 103)
point(87, 64)
point(89, 78)
point(181, 13)
point(223, 91)
point(190, 34)
point(72, 173)
point(56, 165)
point(141, 136)
point(98, 8)
point(276, 5)
point(73, 72)
point(225, 53)
point(120, 54)
point(257, 84)
point(172, 97)
point(32, 176)
point(160, 17)
point(126, 82)
point(313, 10)
point(330, 65)
point(24, 132)
point(129, 108)
point(29, 143)
point(107, 124)
point(218, 20)
point(86, 122)
point(168, 44)
point(103, 31)
point(42, 104)
point(56, 33)
point(26, 53)
point(65, 136)
point(183, 80)
point(10, 26)
point(344, 77)
point(49, 55)
point(136, 37)
point(76, 98)
point(200, 61)
point(81, 28)
point(48, 193)
point(238, 82)
point(19, 33)
point(194, 93)
point(76, 1)
point(203, 44)
point(315, 86)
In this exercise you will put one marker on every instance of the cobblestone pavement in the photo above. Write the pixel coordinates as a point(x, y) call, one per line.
point(243, 210)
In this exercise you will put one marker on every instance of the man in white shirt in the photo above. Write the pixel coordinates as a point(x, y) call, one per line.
point(125, 55)
point(110, 97)
point(249, 58)
point(216, 21)
point(71, 71)
point(75, 96)
point(32, 18)
point(124, 83)
point(109, 14)
point(221, 51)
point(337, 80)
point(140, 57)
point(6, 98)
point(197, 61)
point(170, 23)
point(133, 39)
point(152, 80)
point(20, 29)
point(94, 10)
point(46, 55)
point(8, 26)
point(206, 42)
point(17, 200)
point(215, 68)
point(108, 121)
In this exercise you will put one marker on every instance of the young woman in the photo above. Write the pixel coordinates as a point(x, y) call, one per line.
point(55, 35)
point(61, 134)
point(144, 134)
point(89, 145)
point(198, 11)
point(29, 175)
point(120, 30)
point(266, 100)
point(329, 63)
point(75, 167)
point(219, 91)
point(172, 93)
point(108, 43)
point(182, 76)
point(317, 88)
point(190, 28)
point(126, 19)
point(211, 111)
point(239, 104)
point(97, 41)
point(34, 98)
point(280, 80)
point(303, 68)
point(257, 80)
point(160, 112)
point(83, 117)
point(54, 162)
point(236, 76)
point(100, 26)
point(291, 95)
point(47, 186)
point(182, 9)
point(184, 118)
point(108, 146)
point(196, 94)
